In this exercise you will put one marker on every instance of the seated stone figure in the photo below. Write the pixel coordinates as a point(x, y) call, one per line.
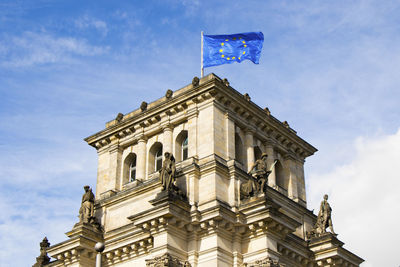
point(259, 176)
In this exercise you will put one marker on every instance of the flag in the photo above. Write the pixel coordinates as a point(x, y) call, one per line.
point(226, 49)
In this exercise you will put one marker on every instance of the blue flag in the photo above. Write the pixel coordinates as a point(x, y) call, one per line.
point(226, 49)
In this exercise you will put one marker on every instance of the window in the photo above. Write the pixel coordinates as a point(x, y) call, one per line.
point(155, 159)
point(281, 180)
point(239, 149)
point(129, 174)
point(182, 146)
point(185, 149)
point(132, 170)
point(158, 159)
point(257, 153)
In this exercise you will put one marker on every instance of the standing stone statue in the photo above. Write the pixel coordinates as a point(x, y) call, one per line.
point(167, 172)
point(87, 206)
point(324, 215)
point(324, 219)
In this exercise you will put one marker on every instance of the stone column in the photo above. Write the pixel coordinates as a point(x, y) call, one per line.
point(249, 149)
point(290, 172)
point(115, 165)
point(230, 137)
point(141, 158)
point(167, 139)
point(237, 249)
point(193, 133)
point(269, 149)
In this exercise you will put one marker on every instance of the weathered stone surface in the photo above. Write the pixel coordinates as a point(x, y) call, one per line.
point(267, 262)
point(43, 259)
point(167, 260)
point(215, 135)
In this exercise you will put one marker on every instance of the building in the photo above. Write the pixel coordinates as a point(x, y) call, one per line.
point(215, 135)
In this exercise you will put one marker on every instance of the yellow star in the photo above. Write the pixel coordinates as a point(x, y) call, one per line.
point(222, 43)
point(244, 52)
point(228, 58)
point(223, 56)
point(245, 45)
point(239, 58)
point(233, 57)
point(221, 50)
point(226, 40)
point(243, 42)
point(234, 38)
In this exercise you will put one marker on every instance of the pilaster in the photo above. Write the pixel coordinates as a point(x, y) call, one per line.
point(141, 158)
point(269, 149)
point(115, 164)
point(291, 174)
point(230, 137)
point(167, 138)
point(193, 133)
point(249, 148)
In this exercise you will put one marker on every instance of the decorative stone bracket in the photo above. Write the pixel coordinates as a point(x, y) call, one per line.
point(128, 251)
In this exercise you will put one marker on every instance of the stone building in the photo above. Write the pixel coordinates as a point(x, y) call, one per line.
point(215, 135)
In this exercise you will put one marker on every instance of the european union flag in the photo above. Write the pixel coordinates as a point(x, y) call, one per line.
point(226, 49)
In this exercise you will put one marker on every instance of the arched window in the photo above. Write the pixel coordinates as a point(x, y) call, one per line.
point(185, 148)
point(182, 146)
point(257, 153)
point(280, 177)
point(239, 149)
point(129, 174)
point(158, 159)
point(132, 171)
point(155, 157)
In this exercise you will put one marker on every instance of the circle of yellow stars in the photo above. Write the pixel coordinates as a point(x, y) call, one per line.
point(222, 48)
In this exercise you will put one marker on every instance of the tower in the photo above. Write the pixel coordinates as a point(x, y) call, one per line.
point(215, 135)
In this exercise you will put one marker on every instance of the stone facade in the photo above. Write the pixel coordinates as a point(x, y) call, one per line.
point(215, 134)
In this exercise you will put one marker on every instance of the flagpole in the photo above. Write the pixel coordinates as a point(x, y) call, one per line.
point(202, 68)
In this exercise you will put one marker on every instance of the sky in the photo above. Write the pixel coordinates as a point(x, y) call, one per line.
point(329, 68)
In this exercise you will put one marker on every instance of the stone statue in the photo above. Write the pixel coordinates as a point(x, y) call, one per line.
point(167, 260)
point(87, 206)
point(195, 81)
point(324, 220)
point(324, 216)
point(169, 93)
point(119, 117)
point(43, 259)
point(259, 176)
point(143, 106)
point(260, 171)
point(167, 172)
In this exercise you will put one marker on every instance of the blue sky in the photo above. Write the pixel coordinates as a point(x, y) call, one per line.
point(331, 69)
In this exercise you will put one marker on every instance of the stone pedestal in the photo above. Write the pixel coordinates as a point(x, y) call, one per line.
point(79, 249)
point(328, 251)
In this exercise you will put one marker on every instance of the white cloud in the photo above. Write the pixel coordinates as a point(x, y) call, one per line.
point(86, 22)
point(364, 197)
point(32, 48)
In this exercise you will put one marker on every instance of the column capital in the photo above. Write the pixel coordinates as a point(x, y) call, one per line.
point(290, 156)
point(250, 131)
point(115, 147)
point(192, 113)
point(269, 143)
point(167, 126)
point(142, 139)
